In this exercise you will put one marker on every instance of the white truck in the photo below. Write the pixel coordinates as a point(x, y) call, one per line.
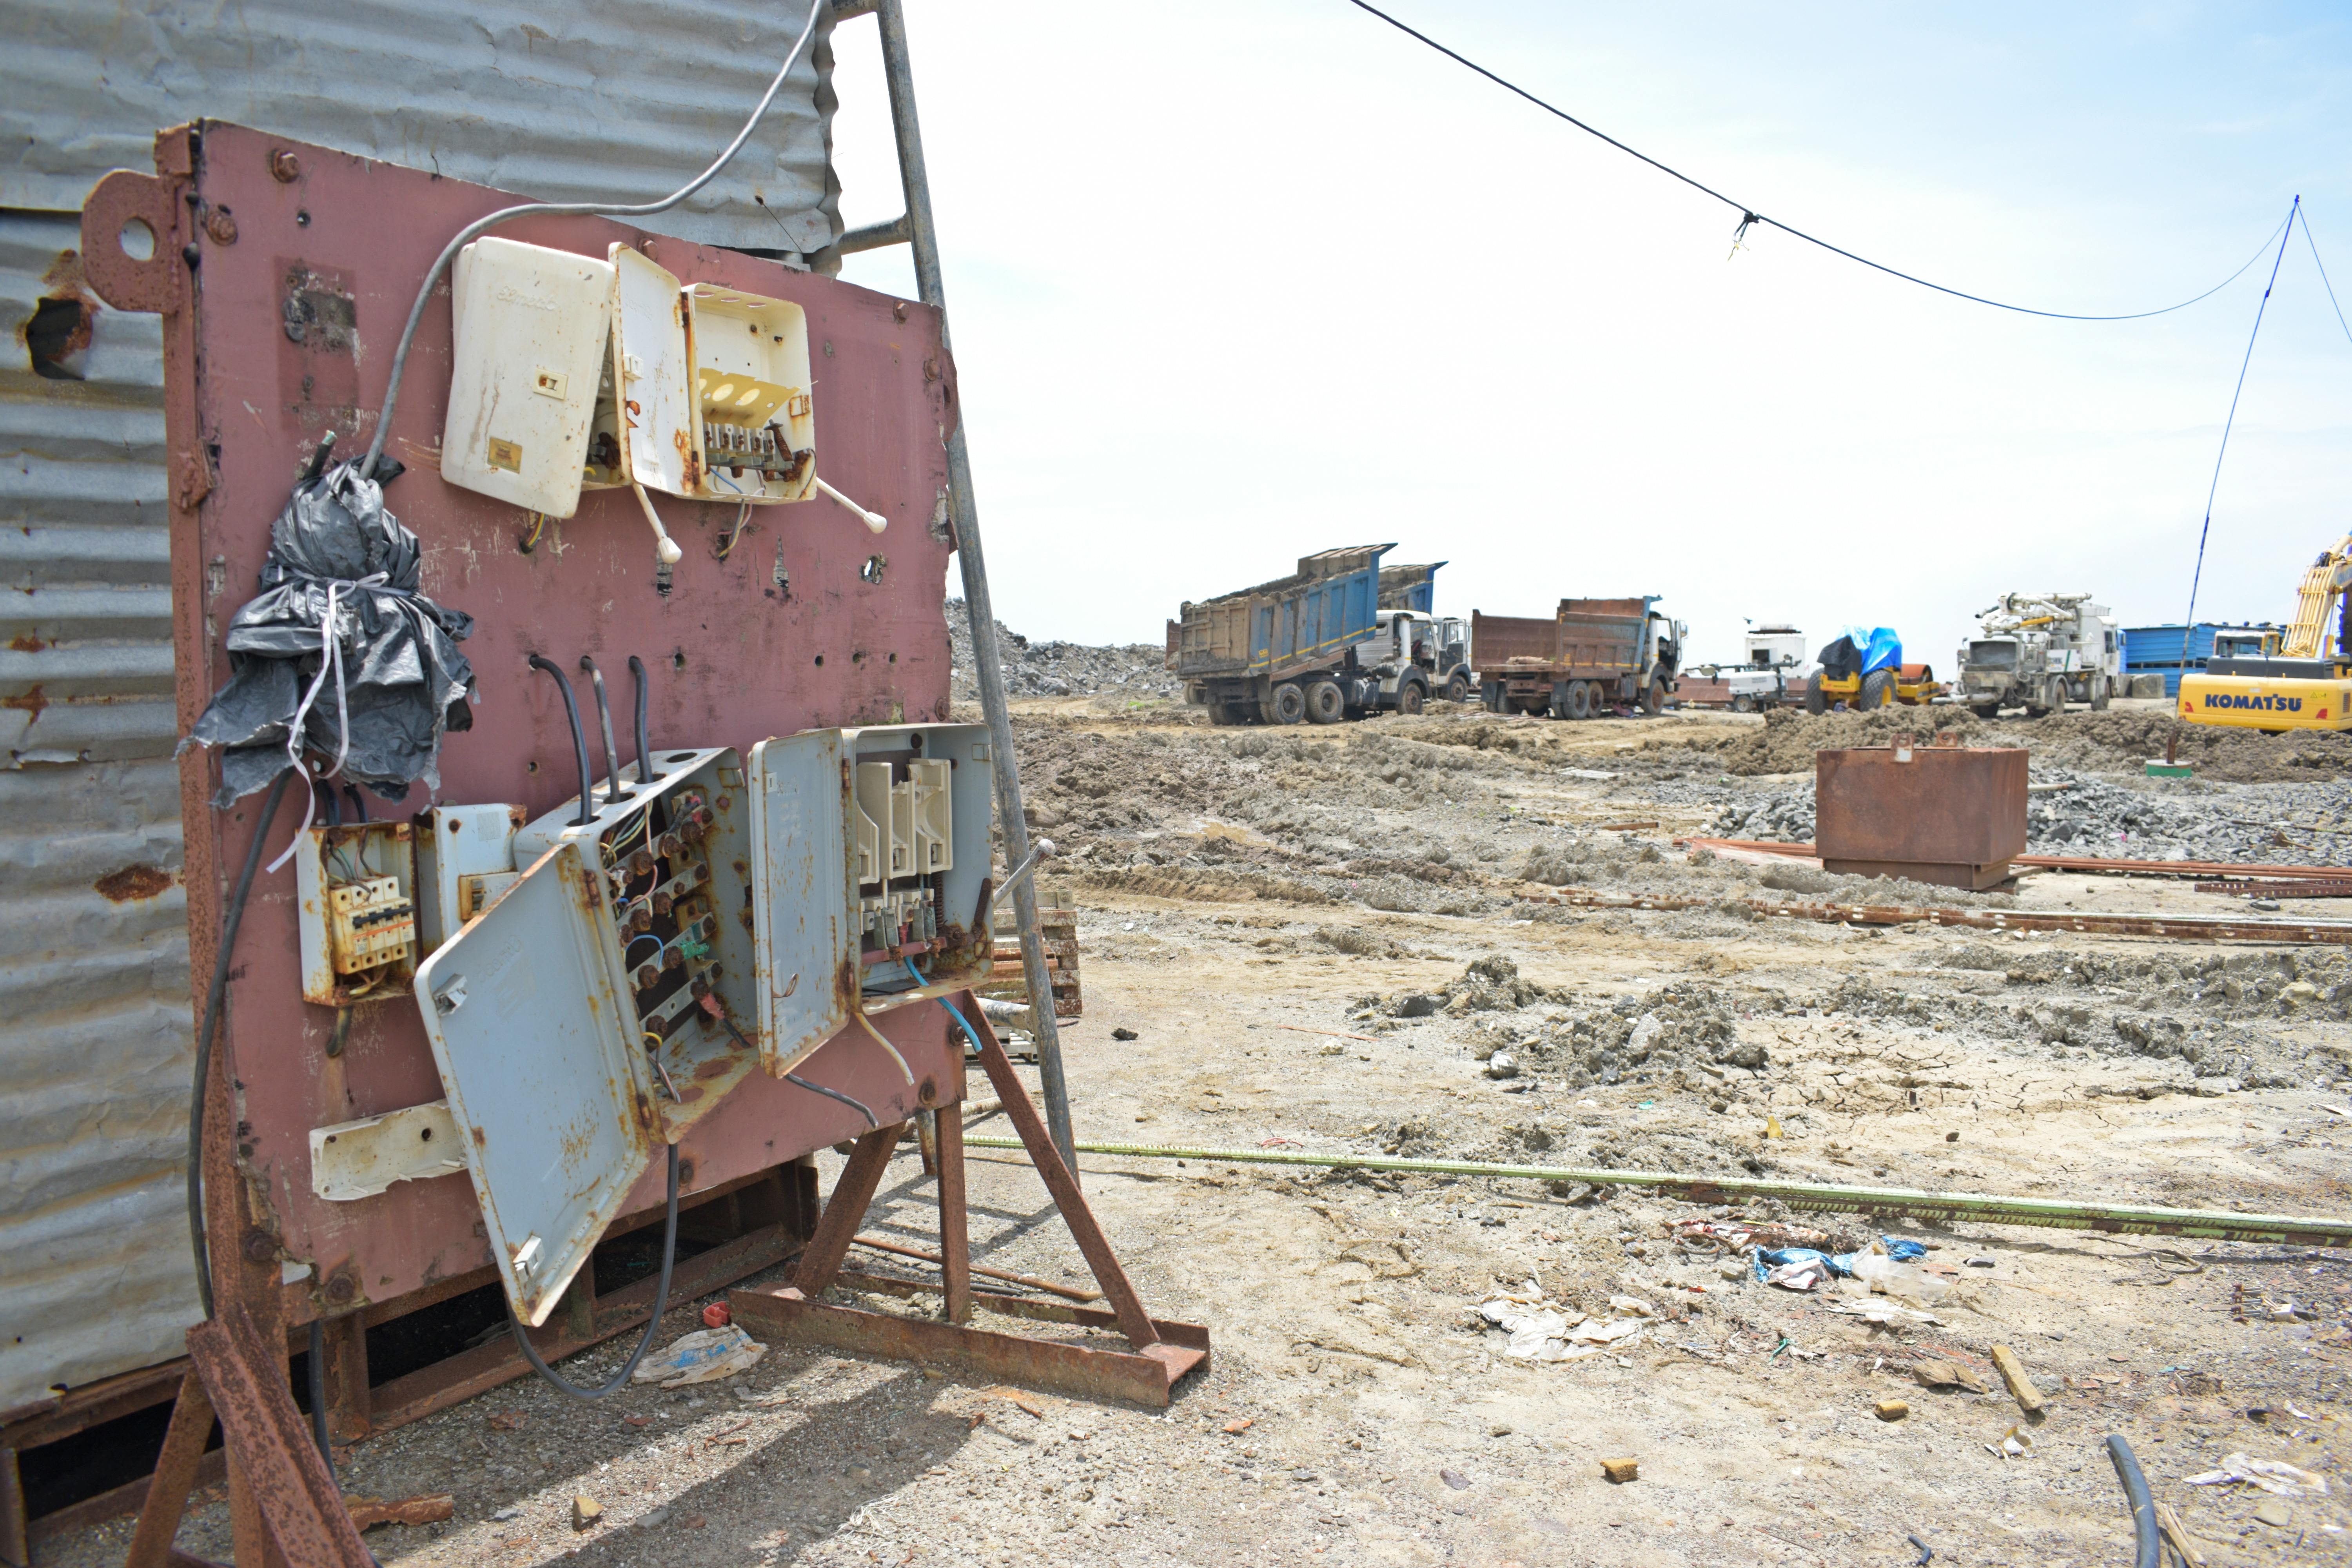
point(2040, 652)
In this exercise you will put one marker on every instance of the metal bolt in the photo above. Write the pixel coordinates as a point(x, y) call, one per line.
point(284, 167)
point(221, 227)
point(260, 1247)
point(341, 1288)
point(928, 1093)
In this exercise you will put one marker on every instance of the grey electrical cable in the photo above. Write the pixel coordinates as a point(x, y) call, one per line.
point(645, 749)
point(564, 209)
point(2147, 1543)
point(605, 717)
point(619, 1380)
point(215, 995)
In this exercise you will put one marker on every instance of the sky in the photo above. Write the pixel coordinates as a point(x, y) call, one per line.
point(1230, 283)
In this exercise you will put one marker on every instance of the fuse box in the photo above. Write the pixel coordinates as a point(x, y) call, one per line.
point(712, 920)
point(571, 372)
point(465, 859)
point(355, 886)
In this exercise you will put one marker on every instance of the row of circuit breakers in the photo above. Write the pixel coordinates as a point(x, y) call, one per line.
point(595, 980)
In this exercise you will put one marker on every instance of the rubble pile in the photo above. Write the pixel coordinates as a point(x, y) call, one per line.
point(1136, 672)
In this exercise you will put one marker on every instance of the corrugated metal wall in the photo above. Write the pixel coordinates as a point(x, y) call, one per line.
point(592, 99)
point(620, 100)
point(95, 1038)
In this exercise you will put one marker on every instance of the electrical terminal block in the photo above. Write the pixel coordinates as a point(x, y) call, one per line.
point(369, 924)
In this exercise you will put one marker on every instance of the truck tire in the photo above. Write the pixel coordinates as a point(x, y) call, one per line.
point(2058, 694)
point(1816, 699)
point(1409, 696)
point(1578, 700)
point(1653, 696)
point(1290, 703)
point(2099, 694)
point(1743, 703)
point(1877, 691)
point(1220, 713)
point(1457, 689)
point(1326, 703)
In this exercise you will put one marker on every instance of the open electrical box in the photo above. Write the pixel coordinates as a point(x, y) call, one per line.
point(570, 373)
point(641, 952)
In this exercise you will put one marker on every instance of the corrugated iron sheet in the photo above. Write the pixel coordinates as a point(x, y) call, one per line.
point(95, 1040)
point(598, 99)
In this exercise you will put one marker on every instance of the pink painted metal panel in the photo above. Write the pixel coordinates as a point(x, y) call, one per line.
point(786, 632)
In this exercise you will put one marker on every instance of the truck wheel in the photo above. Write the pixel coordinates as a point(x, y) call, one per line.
point(1743, 704)
point(1326, 703)
point(1653, 699)
point(1877, 691)
point(1220, 713)
point(1457, 690)
point(1409, 696)
point(1816, 699)
point(2099, 694)
point(1290, 703)
point(1578, 700)
point(2056, 701)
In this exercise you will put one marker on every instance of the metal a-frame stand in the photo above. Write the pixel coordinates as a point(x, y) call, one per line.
point(1159, 1353)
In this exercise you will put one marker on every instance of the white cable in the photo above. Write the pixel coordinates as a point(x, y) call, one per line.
point(666, 547)
point(564, 209)
point(874, 521)
point(859, 1013)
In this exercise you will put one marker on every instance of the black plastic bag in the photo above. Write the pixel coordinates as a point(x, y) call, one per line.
point(1841, 661)
point(393, 681)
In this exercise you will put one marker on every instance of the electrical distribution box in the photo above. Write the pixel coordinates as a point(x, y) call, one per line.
point(571, 373)
point(697, 925)
point(464, 860)
point(356, 887)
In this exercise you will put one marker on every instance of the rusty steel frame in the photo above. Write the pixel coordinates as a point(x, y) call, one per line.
point(2280, 887)
point(2088, 864)
point(1160, 1354)
point(2177, 928)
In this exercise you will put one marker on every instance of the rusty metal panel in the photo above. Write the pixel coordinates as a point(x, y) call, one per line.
point(617, 101)
point(1496, 640)
point(1920, 807)
point(95, 1040)
point(1601, 634)
point(806, 622)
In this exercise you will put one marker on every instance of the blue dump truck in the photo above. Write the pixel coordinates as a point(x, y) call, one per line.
point(1338, 639)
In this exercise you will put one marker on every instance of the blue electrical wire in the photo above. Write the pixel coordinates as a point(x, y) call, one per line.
point(660, 946)
point(2293, 212)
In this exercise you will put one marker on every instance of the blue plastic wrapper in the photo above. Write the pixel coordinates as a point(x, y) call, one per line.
point(1900, 1249)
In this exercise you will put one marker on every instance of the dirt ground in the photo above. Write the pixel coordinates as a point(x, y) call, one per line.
point(1336, 941)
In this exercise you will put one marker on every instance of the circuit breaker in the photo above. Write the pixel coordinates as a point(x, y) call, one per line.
point(355, 886)
point(571, 373)
point(662, 942)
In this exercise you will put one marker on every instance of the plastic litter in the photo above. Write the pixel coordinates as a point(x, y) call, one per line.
point(339, 654)
point(705, 1355)
point(2272, 1476)
point(1540, 1333)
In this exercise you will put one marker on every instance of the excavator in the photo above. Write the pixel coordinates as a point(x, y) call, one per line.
point(2307, 685)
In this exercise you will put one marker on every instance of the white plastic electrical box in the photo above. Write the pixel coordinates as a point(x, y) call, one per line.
point(356, 889)
point(464, 860)
point(531, 326)
point(573, 374)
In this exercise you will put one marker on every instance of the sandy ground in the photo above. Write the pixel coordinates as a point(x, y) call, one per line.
point(1358, 1410)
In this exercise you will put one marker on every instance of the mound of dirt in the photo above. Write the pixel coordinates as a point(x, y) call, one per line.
point(2118, 740)
point(1059, 669)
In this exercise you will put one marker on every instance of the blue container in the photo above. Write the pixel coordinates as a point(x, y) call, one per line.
point(2170, 651)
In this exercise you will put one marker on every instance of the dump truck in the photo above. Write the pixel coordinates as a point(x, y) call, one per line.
point(1320, 645)
point(2040, 652)
point(1592, 657)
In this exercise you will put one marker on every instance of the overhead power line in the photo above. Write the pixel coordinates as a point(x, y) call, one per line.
point(2304, 218)
point(1749, 216)
point(2214, 489)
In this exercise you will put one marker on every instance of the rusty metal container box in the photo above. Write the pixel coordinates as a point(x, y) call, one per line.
point(1951, 816)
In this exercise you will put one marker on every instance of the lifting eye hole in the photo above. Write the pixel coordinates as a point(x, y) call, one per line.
point(871, 573)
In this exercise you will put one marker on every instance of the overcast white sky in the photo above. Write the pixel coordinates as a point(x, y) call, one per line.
point(1230, 283)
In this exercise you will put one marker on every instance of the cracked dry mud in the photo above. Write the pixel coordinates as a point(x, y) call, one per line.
point(1321, 941)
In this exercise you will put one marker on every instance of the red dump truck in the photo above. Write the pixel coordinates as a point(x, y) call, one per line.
point(1593, 657)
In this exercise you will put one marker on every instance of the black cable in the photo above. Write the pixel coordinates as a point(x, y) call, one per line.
point(2149, 1544)
point(214, 997)
point(317, 1379)
point(2323, 276)
point(797, 1080)
point(579, 739)
point(2214, 489)
point(661, 1304)
point(644, 747)
point(604, 718)
point(1749, 216)
point(359, 804)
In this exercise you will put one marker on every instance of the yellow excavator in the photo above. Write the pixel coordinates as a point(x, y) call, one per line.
point(2308, 684)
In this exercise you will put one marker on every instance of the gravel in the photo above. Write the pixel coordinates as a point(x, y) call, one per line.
point(1138, 671)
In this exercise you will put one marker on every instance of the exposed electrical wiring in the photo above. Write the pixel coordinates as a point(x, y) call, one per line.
point(868, 1025)
point(1748, 217)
